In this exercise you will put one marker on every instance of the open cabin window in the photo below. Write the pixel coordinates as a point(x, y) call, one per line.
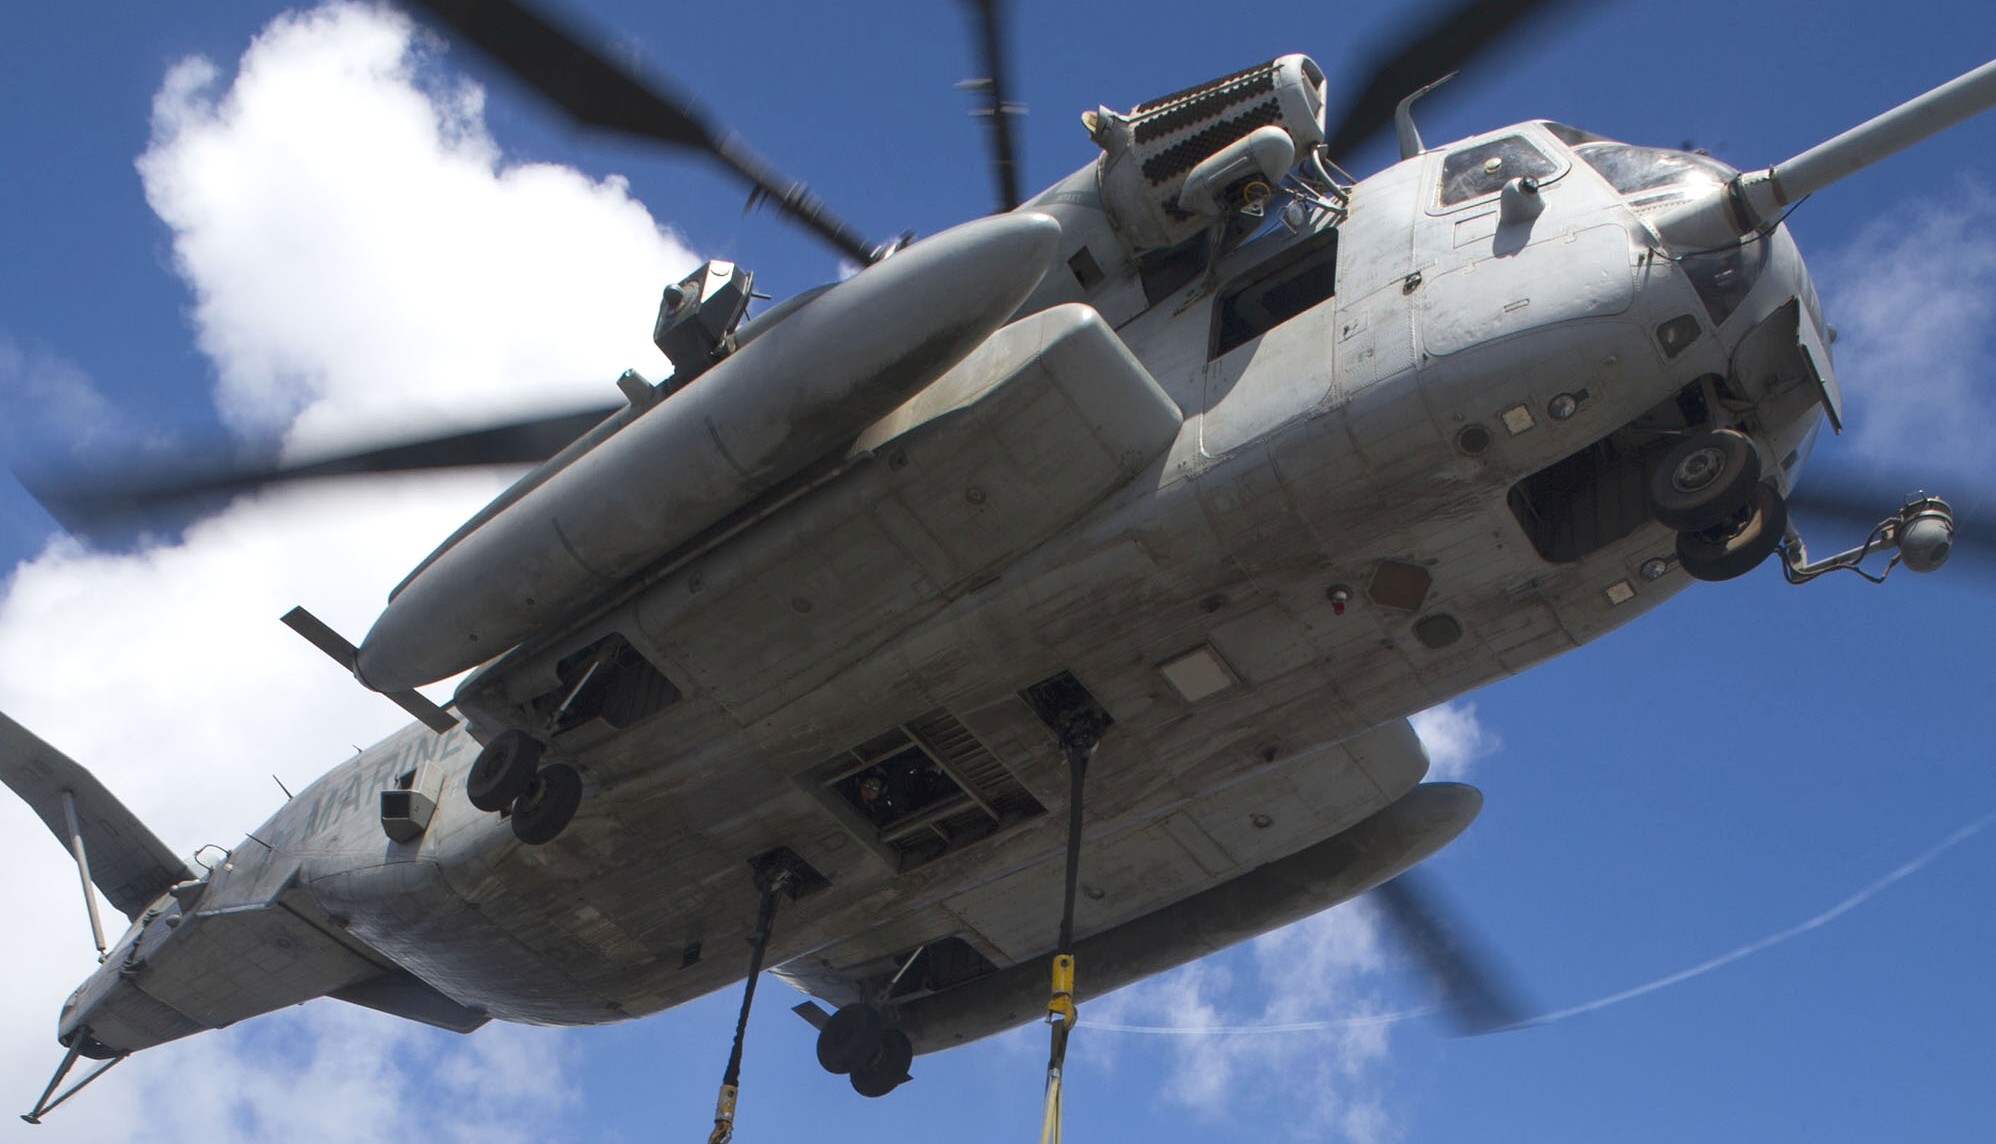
point(1275, 291)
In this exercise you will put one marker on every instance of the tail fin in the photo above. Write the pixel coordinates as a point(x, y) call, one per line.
point(127, 861)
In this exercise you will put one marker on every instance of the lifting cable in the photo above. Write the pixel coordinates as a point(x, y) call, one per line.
point(1078, 740)
point(774, 880)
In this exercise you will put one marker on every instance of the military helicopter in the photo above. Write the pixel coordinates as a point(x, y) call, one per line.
point(580, 690)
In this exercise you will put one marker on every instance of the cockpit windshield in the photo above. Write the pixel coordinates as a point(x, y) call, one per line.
point(1631, 169)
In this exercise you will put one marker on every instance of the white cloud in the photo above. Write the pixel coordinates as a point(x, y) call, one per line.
point(1301, 1014)
point(1295, 1016)
point(1913, 298)
point(361, 256)
point(1455, 740)
point(45, 398)
point(334, 1074)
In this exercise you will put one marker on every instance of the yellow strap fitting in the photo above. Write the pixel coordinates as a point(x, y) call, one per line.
point(724, 1116)
point(1060, 1006)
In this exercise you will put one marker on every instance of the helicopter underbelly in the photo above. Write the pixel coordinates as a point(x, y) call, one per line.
point(1352, 567)
point(635, 901)
point(646, 901)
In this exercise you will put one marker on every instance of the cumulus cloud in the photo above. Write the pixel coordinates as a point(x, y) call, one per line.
point(362, 259)
point(1302, 1015)
point(1297, 1017)
point(1913, 298)
point(45, 397)
point(361, 255)
point(331, 1074)
point(1455, 739)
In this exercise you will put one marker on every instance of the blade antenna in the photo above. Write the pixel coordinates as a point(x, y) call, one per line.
point(996, 111)
point(1446, 44)
point(596, 91)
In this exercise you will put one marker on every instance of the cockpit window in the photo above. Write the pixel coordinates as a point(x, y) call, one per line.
point(1484, 168)
point(1631, 169)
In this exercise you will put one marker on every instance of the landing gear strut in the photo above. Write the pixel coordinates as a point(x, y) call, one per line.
point(79, 1046)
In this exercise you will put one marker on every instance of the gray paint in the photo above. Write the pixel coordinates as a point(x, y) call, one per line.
point(1135, 501)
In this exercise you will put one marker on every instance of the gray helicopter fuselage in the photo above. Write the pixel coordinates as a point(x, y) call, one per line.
point(1260, 542)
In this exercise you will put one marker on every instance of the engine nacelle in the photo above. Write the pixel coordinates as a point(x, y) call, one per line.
point(1149, 153)
point(763, 414)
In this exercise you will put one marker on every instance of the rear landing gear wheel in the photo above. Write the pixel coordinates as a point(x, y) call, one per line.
point(502, 771)
point(889, 1068)
point(1704, 480)
point(543, 811)
point(1739, 545)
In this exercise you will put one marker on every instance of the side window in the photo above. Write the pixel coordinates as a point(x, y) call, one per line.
point(1275, 291)
point(1484, 168)
point(1724, 277)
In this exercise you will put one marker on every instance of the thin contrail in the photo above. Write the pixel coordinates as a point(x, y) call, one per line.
point(1827, 916)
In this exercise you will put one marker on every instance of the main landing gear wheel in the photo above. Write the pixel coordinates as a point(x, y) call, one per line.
point(502, 771)
point(889, 1067)
point(1737, 546)
point(851, 1038)
point(858, 1043)
point(1704, 480)
point(543, 811)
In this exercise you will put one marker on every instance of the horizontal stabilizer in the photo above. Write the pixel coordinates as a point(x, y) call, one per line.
point(127, 861)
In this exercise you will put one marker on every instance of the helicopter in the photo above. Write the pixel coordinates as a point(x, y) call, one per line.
point(1368, 591)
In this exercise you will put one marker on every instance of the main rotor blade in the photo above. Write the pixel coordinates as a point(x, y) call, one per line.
point(553, 59)
point(86, 506)
point(997, 110)
point(1445, 45)
point(1478, 998)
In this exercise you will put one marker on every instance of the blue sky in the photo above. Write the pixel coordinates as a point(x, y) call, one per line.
point(291, 258)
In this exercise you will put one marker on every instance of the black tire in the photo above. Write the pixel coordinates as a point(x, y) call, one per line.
point(896, 1053)
point(851, 1038)
point(502, 770)
point(1704, 480)
point(543, 811)
point(888, 1069)
point(1735, 549)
